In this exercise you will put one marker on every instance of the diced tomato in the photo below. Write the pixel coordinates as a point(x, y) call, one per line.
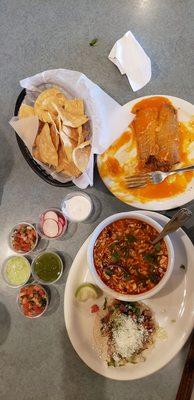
point(31, 300)
point(94, 308)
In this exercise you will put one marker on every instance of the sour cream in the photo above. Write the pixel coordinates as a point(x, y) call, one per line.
point(77, 206)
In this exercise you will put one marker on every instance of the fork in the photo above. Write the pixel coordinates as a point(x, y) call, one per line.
point(155, 177)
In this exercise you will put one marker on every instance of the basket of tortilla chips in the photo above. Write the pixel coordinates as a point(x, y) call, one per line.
point(62, 143)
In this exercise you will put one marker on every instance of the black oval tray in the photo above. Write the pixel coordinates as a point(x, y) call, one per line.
point(26, 154)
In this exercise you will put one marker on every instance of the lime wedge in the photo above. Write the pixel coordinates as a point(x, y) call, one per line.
point(87, 291)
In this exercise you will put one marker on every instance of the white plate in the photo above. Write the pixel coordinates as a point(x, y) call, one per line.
point(174, 302)
point(185, 113)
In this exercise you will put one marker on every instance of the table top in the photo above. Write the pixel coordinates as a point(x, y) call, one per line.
point(37, 360)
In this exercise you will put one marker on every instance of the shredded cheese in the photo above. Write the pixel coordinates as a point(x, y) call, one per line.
point(128, 336)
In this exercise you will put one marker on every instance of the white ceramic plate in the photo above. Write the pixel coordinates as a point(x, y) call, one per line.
point(173, 307)
point(185, 114)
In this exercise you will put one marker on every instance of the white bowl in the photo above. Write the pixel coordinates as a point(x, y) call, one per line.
point(102, 285)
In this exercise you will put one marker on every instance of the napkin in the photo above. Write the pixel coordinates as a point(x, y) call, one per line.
point(131, 59)
point(108, 119)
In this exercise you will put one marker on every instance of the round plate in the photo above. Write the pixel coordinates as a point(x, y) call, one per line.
point(185, 113)
point(173, 307)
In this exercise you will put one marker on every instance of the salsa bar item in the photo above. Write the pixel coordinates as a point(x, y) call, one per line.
point(62, 141)
point(77, 206)
point(52, 224)
point(16, 271)
point(125, 258)
point(23, 238)
point(47, 267)
point(33, 300)
point(123, 331)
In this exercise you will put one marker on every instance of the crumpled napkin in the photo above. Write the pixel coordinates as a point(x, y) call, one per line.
point(131, 59)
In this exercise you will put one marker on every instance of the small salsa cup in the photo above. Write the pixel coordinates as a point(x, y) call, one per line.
point(39, 258)
point(44, 296)
point(16, 227)
point(5, 276)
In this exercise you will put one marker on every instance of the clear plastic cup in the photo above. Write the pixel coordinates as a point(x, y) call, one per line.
point(11, 233)
point(41, 220)
point(35, 275)
point(5, 276)
point(77, 206)
point(45, 308)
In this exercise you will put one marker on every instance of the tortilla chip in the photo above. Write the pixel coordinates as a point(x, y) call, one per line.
point(69, 145)
point(71, 133)
point(44, 94)
point(36, 154)
point(49, 102)
point(46, 148)
point(37, 140)
point(62, 158)
point(70, 170)
point(82, 135)
point(42, 105)
point(73, 120)
point(25, 111)
point(81, 155)
point(75, 106)
point(54, 136)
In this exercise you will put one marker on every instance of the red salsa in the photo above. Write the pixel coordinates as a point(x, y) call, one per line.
point(125, 258)
point(24, 238)
point(33, 300)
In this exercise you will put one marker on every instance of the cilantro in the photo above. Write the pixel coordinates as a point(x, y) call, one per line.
point(93, 42)
point(153, 278)
point(126, 276)
point(130, 238)
point(115, 256)
point(149, 257)
point(157, 246)
point(111, 362)
point(112, 245)
point(108, 271)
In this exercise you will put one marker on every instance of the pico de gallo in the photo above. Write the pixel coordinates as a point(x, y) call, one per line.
point(33, 300)
point(23, 238)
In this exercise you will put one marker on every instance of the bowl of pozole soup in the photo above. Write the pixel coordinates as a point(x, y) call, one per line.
point(123, 260)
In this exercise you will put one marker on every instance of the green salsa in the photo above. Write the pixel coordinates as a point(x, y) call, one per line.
point(48, 266)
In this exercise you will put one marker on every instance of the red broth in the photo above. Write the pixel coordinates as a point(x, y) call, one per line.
point(125, 258)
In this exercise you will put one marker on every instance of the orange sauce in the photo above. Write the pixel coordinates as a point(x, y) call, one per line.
point(171, 186)
point(157, 102)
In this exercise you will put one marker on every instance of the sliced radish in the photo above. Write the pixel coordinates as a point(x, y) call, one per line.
point(42, 220)
point(51, 215)
point(62, 221)
point(60, 228)
point(50, 228)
